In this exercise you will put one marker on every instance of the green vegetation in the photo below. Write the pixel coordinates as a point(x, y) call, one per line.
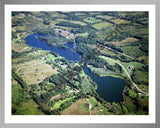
point(92, 20)
point(102, 25)
point(22, 104)
point(49, 84)
point(68, 24)
point(58, 104)
point(45, 31)
point(140, 75)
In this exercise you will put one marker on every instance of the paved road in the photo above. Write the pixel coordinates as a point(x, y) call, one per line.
point(144, 93)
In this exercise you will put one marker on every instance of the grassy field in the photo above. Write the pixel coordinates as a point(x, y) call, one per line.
point(77, 108)
point(103, 72)
point(134, 64)
point(78, 22)
point(101, 25)
point(132, 51)
point(50, 56)
point(92, 20)
point(83, 34)
point(120, 21)
point(128, 40)
point(57, 105)
point(108, 60)
point(105, 17)
point(80, 108)
point(22, 106)
point(35, 71)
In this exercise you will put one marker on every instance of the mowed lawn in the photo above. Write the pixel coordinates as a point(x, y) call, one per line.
point(101, 25)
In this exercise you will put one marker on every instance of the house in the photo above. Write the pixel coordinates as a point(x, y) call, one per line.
point(139, 95)
point(132, 87)
point(89, 105)
point(74, 76)
point(76, 90)
point(72, 64)
point(130, 67)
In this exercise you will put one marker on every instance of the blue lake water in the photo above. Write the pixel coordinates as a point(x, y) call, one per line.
point(66, 53)
point(109, 88)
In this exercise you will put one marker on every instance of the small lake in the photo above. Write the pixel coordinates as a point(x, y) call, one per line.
point(109, 88)
point(66, 53)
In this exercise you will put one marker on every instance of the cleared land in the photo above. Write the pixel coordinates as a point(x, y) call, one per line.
point(77, 108)
point(101, 25)
point(125, 41)
point(92, 20)
point(81, 108)
point(105, 17)
point(120, 21)
point(35, 71)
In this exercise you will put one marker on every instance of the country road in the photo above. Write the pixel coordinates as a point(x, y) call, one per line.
point(129, 77)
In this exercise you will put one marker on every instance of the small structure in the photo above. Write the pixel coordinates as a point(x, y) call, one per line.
point(75, 90)
point(72, 64)
point(130, 67)
point(139, 95)
point(132, 87)
point(74, 76)
point(89, 105)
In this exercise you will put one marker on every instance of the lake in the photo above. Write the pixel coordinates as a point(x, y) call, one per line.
point(66, 53)
point(109, 88)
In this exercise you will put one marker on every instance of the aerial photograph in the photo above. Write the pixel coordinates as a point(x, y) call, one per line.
point(80, 63)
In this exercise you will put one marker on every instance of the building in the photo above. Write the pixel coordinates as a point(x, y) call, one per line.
point(89, 105)
point(139, 95)
point(130, 67)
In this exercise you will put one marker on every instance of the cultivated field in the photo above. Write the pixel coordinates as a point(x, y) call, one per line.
point(35, 71)
point(77, 108)
point(125, 41)
point(101, 25)
point(120, 21)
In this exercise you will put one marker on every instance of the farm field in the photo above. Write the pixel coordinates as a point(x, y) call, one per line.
point(120, 21)
point(92, 20)
point(102, 25)
point(36, 71)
